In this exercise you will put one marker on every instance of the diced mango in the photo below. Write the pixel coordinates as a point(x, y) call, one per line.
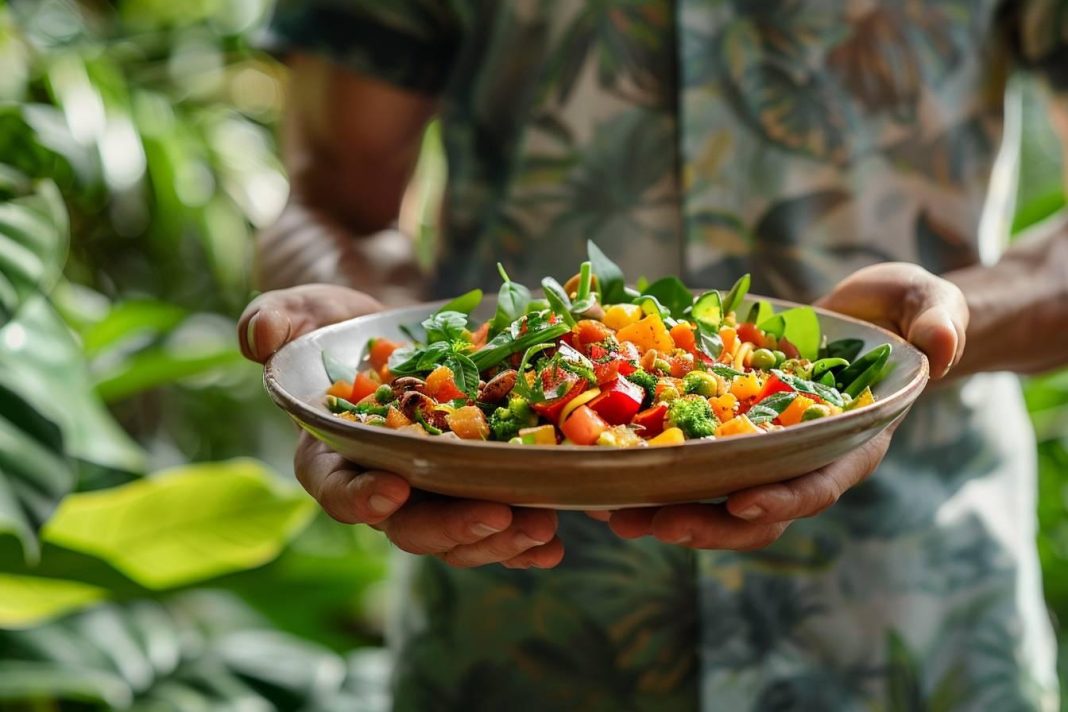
point(794, 411)
point(649, 333)
point(671, 436)
point(724, 406)
point(341, 389)
point(539, 435)
point(747, 386)
point(396, 419)
point(469, 423)
point(738, 425)
point(619, 315)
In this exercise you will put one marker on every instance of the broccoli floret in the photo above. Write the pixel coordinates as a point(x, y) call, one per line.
point(693, 415)
point(506, 422)
point(648, 383)
point(701, 383)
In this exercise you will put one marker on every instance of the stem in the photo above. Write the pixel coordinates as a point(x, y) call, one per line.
point(585, 281)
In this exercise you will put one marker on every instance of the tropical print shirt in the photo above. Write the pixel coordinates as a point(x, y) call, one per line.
point(797, 140)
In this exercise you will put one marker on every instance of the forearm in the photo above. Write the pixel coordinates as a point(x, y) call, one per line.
point(1019, 306)
point(306, 245)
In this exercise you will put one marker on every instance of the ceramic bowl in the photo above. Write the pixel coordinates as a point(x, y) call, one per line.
point(574, 477)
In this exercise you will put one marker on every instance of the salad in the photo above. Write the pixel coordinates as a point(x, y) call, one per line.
point(597, 363)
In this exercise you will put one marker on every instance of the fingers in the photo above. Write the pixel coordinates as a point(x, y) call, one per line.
point(810, 494)
point(929, 311)
point(546, 556)
point(523, 542)
point(274, 318)
point(700, 526)
point(342, 490)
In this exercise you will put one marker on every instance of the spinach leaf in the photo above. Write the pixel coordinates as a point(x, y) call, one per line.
point(512, 302)
point(520, 336)
point(734, 297)
point(337, 371)
point(726, 371)
point(827, 393)
point(800, 326)
point(672, 293)
point(558, 300)
point(465, 303)
point(464, 373)
point(413, 360)
point(610, 281)
point(848, 349)
point(709, 341)
point(771, 407)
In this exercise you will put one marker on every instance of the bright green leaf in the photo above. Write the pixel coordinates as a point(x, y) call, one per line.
point(33, 245)
point(129, 318)
point(800, 326)
point(159, 366)
point(184, 524)
point(29, 600)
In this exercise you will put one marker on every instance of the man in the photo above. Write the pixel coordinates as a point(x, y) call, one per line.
point(820, 145)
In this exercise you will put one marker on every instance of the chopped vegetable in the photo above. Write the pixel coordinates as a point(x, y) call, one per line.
point(584, 426)
point(693, 415)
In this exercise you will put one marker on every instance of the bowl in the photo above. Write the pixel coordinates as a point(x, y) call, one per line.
point(571, 476)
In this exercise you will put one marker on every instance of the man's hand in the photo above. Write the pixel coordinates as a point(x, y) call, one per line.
point(927, 310)
point(460, 532)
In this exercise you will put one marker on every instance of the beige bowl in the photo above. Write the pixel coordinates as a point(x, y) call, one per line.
point(574, 477)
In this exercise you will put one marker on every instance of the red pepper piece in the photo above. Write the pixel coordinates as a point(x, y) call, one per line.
point(749, 332)
point(607, 370)
point(550, 410)
point(651, 420)
point(619, 401)
point(772, 385)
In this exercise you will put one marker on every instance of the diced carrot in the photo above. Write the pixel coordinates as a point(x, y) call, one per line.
point(441, 386)
point(340, 389)
point(681, 364)
point(724, 406)
point(380, 351)
point(744, 387)
point(729, 336)
point(738, 425)
point(584, 426)
point(468, 422)
point(793, 412)
point(683, 336)
point(479, 335)
point(589, 331)
point(362, 387)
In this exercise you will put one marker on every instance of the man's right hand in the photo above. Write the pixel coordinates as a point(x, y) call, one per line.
point(462, 533)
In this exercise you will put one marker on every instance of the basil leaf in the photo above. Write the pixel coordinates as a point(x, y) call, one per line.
point(734, 297)
point(709, 341)
point(726, 371)
point(672, 294)
point(464, 374)
point(800, 326)
point(831, 395)
point(610, 281)
point(337, 371)
point(446, 326)
point(771, 407)
point(510, 341)
point(465, 303)
point(412, 360)
point(512, 302)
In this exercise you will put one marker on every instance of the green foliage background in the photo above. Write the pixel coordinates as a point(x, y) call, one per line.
point(141, 564)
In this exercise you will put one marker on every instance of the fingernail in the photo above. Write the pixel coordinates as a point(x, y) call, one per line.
point(526, 541)
point(250, 335)
point(381, 505)
point(482, 530)
point(751, 513)
point(681, 539)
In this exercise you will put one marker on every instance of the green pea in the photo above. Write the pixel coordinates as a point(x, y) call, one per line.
point(763, 359)
point(779, 357)
point(384, 394)
point(814, 412)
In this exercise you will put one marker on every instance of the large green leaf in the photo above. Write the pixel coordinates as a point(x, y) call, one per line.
point(184, 524)
point(29, 600)
point(33, 242)
point(43, 364)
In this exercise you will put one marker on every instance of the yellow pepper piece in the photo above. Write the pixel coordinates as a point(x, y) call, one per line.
point(619, 315)
point(581, 399)
point(794, 411)
point(747, 386)
point(865, 398)
point(738, 425)
point(538, 435)
point(649, 333)
point(671, 436)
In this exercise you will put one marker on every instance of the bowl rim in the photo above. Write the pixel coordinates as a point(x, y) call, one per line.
point(309, 414)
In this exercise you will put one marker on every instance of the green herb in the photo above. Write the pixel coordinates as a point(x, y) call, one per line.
point(558, 300)
point(585, 281)
point(448, 326)
point(826, 393)
point(672, 294)
point(464, 373)
point(734, 298)
point(726, 371)
point(465, 303)
point(709, 341)
point(513, 299)
point(771, 407)
point(610, 281)
point(336, 370)
point(521, 385)
point(515, 339)
point(800, 326)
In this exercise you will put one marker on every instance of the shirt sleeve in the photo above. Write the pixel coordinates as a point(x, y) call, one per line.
point(1041, 39)
point(409, 43)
